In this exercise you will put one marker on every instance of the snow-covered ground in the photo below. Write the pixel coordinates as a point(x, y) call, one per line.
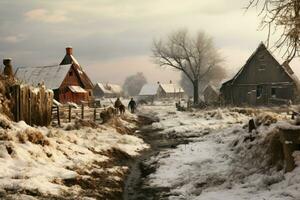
point(41, 161)
point(223, 161)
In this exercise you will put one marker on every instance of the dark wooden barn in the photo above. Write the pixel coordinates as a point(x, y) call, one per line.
point(68, 80)
point(261, 81)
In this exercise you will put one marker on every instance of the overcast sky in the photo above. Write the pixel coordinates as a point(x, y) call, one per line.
point(112, 38)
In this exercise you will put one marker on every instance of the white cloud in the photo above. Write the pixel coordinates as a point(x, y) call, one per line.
point(43, 15)
point(13, 38)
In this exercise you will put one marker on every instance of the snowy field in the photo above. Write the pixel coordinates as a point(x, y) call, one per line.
point(53, 162)
point(223, 161)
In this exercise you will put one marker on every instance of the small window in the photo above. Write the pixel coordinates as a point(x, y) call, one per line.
point(273, 92)
point(90, 93)
point(259, 91)
point(71, 73)
point(261, 57)
point(262, 67)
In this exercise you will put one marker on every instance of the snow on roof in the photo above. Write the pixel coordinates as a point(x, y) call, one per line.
point(171, 88)
point(69, 59)
point(101, 86)
point(148, 90)
point(51, 76)
point(285, 66)
point(56, 103)
point(109, 88)
point(76, 89)
point(115, 88)
point(211, 88)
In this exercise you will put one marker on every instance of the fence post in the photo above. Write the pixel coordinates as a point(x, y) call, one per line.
point(18, 113)
point(95, 114)
point(58, 117)
point(70, 113)
point(82, 111)
point(29, 108)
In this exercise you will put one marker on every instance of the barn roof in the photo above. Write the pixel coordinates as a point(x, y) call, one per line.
point(51, 76)
point(76, 89)
point(171, 87)
point(83, 77)
point(287, 69)
point(70, 59)
point(210, 87)
point(149, 90)
point(108, 88)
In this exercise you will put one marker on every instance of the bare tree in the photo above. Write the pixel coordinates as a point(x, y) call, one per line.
point(194, 56)
point(134, 83)
point(214, 77)
point(281, 16)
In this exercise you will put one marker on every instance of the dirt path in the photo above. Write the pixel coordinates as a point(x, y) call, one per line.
point(135, 186)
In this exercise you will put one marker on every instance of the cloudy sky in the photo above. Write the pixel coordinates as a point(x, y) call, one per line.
point(112, 38)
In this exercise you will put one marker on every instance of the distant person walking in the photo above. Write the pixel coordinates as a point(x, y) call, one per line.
point(132, 105)
point(118, 104)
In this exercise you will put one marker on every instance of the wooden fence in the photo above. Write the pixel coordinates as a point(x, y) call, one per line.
point(66, 113)
point(32, 105)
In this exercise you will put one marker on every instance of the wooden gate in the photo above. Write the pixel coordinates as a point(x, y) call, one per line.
point(32, 105)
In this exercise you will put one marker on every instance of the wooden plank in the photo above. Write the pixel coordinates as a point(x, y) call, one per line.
point(82, 111)
point(70, 113)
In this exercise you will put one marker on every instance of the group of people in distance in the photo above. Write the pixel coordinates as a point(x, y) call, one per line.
point(121, 108)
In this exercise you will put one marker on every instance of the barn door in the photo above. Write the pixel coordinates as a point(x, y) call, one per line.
point(261, 94)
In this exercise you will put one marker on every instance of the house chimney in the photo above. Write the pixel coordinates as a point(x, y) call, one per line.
point(69, 50)
point(8, 69)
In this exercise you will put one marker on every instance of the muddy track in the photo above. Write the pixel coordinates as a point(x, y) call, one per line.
point(135, 184)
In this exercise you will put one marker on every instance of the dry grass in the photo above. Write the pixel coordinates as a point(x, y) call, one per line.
point(116, 123)
point(79, 124)
point(275, 149)
point(32, 135)
point(266, 119)
point(245, 111)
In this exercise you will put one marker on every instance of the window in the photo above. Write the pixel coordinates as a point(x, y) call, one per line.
point(259, 91)
point(273, 92)
point(261, 58)
point(90, 93)
point(262, 63)
point(70, 73)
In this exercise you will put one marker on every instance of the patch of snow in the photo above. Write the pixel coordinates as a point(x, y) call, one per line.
point(32, 166)
point(225, 163)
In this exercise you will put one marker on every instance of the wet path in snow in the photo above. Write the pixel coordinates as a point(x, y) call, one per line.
point(135, 186)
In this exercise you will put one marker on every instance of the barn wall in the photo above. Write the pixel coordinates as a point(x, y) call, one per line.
point(263, 75)
point(69, 96)
point(98, 93)
point(247, 94)
point(70, 79)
